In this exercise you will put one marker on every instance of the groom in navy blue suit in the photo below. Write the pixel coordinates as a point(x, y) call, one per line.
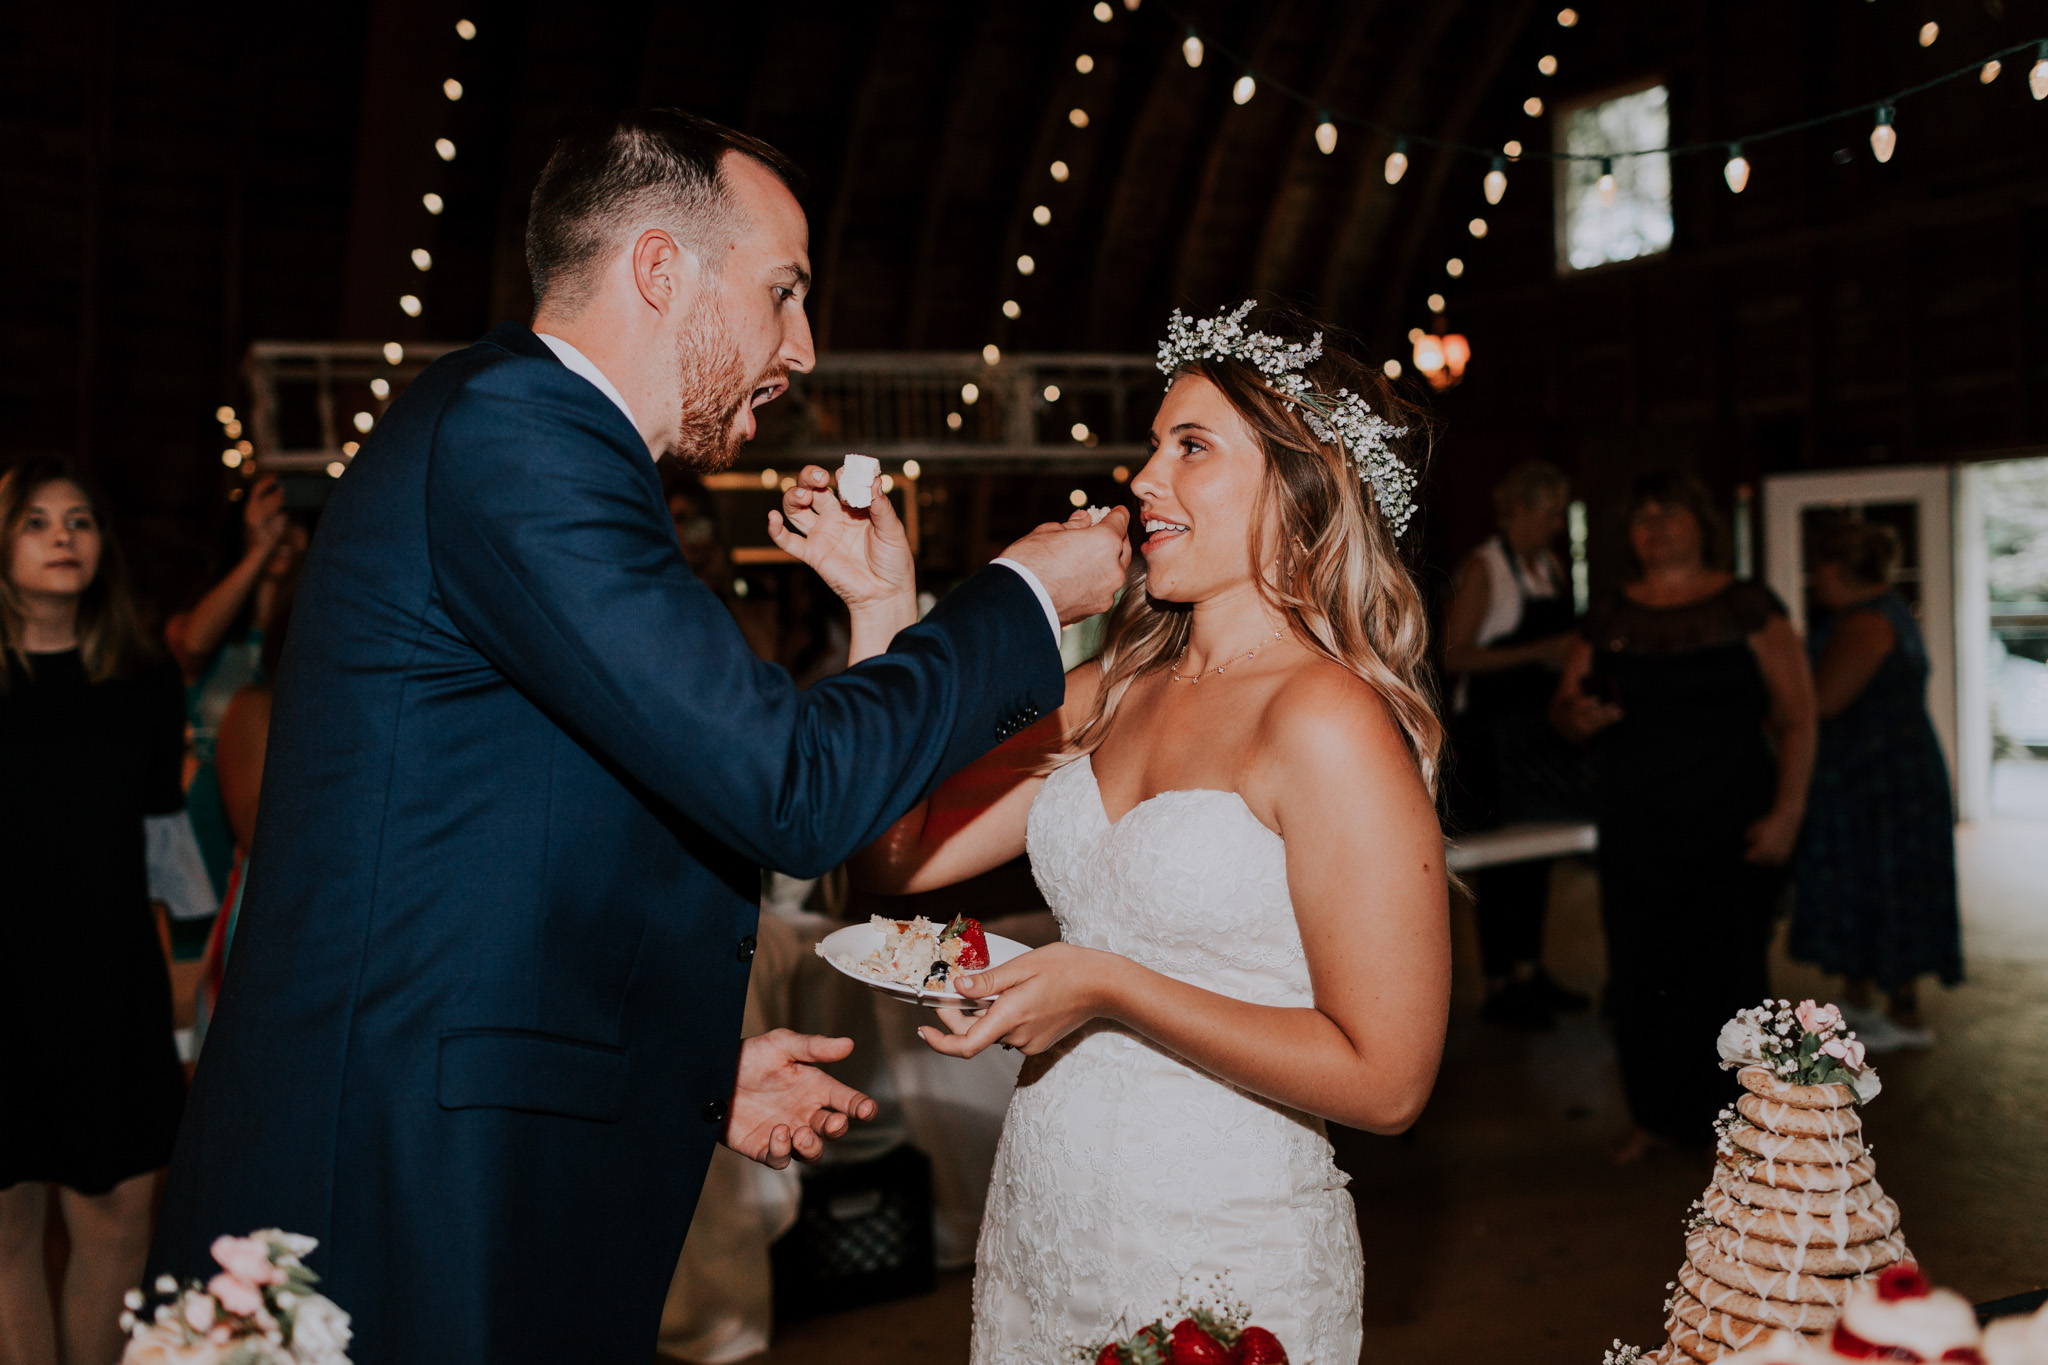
point(481, 1023)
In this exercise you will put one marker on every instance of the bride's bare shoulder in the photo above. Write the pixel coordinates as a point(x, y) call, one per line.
point(1324, 713)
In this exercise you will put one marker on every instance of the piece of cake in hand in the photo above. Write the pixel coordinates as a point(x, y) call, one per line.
point(857, 475)
point(1096, 514)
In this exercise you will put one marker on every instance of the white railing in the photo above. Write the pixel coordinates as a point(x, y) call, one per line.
point(314, 401)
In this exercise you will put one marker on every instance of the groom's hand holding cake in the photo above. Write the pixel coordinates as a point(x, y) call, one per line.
point(481, 1027)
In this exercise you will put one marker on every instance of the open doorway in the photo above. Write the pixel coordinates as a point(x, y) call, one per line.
point(2004, 554)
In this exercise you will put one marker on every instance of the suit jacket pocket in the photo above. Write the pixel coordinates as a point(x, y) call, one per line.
point(539, 1073)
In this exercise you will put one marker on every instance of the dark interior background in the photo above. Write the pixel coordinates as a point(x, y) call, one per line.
point(181, 179)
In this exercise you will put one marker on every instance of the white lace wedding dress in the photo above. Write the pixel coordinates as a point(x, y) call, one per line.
point(1128, 1179)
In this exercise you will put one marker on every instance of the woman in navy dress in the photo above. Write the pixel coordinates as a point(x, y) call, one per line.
point(1877, 865)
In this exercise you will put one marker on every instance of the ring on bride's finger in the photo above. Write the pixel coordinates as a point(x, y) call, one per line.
point(1007, 1047)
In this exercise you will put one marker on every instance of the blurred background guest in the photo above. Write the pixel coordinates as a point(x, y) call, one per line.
point(1876, 896)
point(1508, 632)
point(91, 742)
point(1693, 692)
point(219, 647)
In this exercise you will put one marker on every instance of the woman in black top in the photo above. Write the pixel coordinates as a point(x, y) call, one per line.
point(91, 741)
point(1693, 693)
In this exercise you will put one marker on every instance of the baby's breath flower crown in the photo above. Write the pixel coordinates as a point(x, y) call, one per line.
point(1341, 419)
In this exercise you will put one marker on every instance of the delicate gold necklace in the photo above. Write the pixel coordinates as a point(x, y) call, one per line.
point(1220, 667)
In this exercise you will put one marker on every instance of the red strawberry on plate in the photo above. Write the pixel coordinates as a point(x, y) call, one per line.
point(1194, 1346)
point(973, 943)
point(1257, 1346)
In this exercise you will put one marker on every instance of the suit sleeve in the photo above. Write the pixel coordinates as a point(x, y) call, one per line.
point(554, 556)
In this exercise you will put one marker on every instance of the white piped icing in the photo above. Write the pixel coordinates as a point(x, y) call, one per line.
point(1929, 1325)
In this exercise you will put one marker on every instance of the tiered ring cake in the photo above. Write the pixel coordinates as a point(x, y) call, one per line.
point(1793, 1220)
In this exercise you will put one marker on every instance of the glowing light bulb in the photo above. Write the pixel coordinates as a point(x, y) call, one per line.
point(1084, 63)
point(1392, 369)
point(465, 30)
point(1059, 172)
point(1122, 473)
point(1435, 302)
point(1513, 150)
point(422, 259)
point(1012, 309)
point(349, 448)
point(770, 479)
point(1052, 393)
point(1477, 227)
point(1990, 72)
point(1245, 88)
point(1078, 498)
point(444, 149)
point(1547, 64)
point(1736, 172)
point(1079, 431)
point(2037, 78)
point(231, 458)
point(434, 203)
point(954, 421)
point(223, 414)
point(335, 469)
point(246, 447)
point(1326, 136)
point(1454, 267)
point(1078, 117)
point(911, 469)
point(888, 483)
point(1567, 18)
point(1103, 13)
point(363, 422)
point(381, 387)
point(1025, 265)
point(1191, 48)
point(970, 394)
point(1929, 31)
point(1884, 139)
point(1605, 186)
point(409, 304)
point(1415, 334)
point(1533, 106)
point(1041, 215)
point(1397, 162)
point(1429, 354)
point(1496, 182)
point(393, 353)
point(452, 88)
point(991, 354)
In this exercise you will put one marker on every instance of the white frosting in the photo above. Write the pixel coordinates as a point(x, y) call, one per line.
point(2018, 1341)
point(857, 475)
point(1928, 1326)
point(1785, 1348)
point(1096, 514)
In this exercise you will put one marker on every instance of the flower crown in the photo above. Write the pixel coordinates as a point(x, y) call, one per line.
point(1341, 419)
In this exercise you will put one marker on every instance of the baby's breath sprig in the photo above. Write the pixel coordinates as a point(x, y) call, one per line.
point(1619, 1354)
point(1341, 419)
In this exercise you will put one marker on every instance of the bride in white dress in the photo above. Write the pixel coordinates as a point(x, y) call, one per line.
point(1232, 819)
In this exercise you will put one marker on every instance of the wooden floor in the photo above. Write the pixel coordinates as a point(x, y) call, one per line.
point(1496, 1229)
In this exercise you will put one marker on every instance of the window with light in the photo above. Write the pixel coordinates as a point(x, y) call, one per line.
point(1613, 207)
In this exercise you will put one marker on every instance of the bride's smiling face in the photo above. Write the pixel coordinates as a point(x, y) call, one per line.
point(1195, 495)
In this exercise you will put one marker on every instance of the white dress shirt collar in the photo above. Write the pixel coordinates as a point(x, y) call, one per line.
point(581, 364)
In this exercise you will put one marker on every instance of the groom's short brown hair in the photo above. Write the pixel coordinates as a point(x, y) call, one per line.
point(658, 164)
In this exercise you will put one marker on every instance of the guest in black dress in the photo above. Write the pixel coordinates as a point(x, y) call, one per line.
point(1877, 865)
point(91, 741)
point(1693, 693)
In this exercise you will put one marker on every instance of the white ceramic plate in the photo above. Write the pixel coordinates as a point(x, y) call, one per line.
point(844, 947)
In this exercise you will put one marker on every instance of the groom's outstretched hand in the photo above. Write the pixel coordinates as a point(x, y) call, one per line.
point(782, 1105)
point(1081, 565)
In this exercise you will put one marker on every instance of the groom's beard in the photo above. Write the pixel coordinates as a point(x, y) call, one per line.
point(714, 389)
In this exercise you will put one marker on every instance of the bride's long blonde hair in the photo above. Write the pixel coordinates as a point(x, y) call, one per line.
point(1336, 573)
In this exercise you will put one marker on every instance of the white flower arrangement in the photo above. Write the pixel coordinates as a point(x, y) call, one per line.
point(1619, 1354)
point(1341, 419)
point(259, 1310)
point(1806, 1044)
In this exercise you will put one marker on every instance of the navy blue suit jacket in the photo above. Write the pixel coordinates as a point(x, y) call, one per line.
point(483, 1010)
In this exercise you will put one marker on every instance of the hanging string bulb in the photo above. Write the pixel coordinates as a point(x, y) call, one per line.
point(1883, 138)
point(1990, 71)
point(1606, 184)
point(1397, 162)
point(1497, 181)
point(1326, 133)
point(1245, 88)
point(1191, 48)
point(2037, 79)
point(1736, 172)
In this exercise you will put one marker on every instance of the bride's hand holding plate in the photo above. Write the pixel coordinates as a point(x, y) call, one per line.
point(1045, 995)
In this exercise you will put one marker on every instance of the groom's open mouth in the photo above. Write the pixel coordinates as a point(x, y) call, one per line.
point(766, 392)
point(1158, 532)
